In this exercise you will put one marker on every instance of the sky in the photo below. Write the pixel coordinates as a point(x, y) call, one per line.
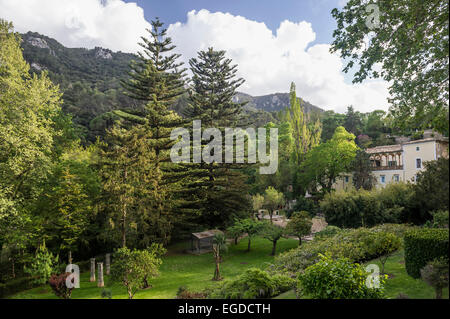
point(273, 42)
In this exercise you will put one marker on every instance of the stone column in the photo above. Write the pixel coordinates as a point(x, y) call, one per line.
point(100, 282)
point(92, 270)
point(108, 263)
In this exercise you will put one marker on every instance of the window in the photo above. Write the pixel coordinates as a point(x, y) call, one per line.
point(383, 179)
point(396, 178)
point(346, 179)
point(377, 163)
point(392, 163)
point(417, 148)
point(418, 163)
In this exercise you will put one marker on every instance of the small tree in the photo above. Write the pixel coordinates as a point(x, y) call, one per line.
point(156, 250)
point(249, 226)
point(133, 267)
point(384, 244)
point(299, 225)
point(273, 233)
point(42, 266)
point(272, 200)
point(235, 232)
point(257, 202)
point(435, 273)
point(219, 245)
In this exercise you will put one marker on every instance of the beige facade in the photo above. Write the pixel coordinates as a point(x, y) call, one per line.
point(401, 162)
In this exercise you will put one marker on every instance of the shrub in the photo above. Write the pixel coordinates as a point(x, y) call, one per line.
point(42, 266)
point(184, 293)
point(59, 287)
point(253, 283)
point(424, 245)
point(337, 279)
point(357, 245)
point(328, 231)
point(435, 273)
point(440, 219)
point(361, 208)
point(15, 285)
point(299, 225)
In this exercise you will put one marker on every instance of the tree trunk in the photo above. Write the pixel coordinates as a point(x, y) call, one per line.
point(249, 241)
point(439, 293)
point(270, 215)
point(217, 271)
point(236, 240)
point(274, 247)
point(299, 241)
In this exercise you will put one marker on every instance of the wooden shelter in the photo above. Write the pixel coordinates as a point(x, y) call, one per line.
point(202, 242)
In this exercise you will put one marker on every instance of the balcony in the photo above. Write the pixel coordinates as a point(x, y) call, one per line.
point(387, 168)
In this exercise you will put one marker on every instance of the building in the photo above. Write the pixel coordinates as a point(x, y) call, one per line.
point(400, 162)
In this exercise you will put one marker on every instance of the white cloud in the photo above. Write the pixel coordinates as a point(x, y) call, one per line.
point(113, 24)
point(270, 62)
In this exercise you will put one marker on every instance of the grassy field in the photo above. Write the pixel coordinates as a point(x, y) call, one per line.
point(180, 269)
point(195, 272)
point(399, 281)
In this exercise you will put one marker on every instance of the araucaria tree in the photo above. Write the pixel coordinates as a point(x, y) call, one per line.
point(218, 187)
point(157, 80)
point(409, 40)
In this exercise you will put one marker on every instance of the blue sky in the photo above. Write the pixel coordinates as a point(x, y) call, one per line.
point(271, 12)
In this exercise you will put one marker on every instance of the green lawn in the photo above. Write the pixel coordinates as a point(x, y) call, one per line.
point(399, 281)
point(180, 269)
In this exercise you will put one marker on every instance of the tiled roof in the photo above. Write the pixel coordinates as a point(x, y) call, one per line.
point(384, 149)
point(207, 233)
point(443, 139)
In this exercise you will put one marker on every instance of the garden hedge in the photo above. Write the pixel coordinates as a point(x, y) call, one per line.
point(424, 245)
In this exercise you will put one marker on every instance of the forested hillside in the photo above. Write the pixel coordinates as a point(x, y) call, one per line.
point(90, 81)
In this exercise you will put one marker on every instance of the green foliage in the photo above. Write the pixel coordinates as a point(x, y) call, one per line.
point(435, 274)
point(440, 219)
point(354, 209)
point(411, 45)
point(432, 188)
point(328, 231)
point(299, 225)
point(384, 245)
point(272, 233)
point(362, 171)
point(326, 161)
point(357, 245)
point(424, 245)
point(248, 226)
point(133, 268)
point(337, 279)
point(254, 283)
point(42, 266)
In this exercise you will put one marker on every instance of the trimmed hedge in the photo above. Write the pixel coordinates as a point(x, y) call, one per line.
point(424, 245)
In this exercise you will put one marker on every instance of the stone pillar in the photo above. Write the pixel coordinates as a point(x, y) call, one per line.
point(100, 282)
point(92, 270)
point(108, 263)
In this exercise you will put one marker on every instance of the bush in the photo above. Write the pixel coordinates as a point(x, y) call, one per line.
point(184, 293)
point(328, 231)
point(440, 219)
point(337, 279)
point(42, 266)
point(15, 285)
point(357, 245)
point(59, 287)
point(424, 245)
point(435, 273)
point(361, 208)
point(253, 283)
